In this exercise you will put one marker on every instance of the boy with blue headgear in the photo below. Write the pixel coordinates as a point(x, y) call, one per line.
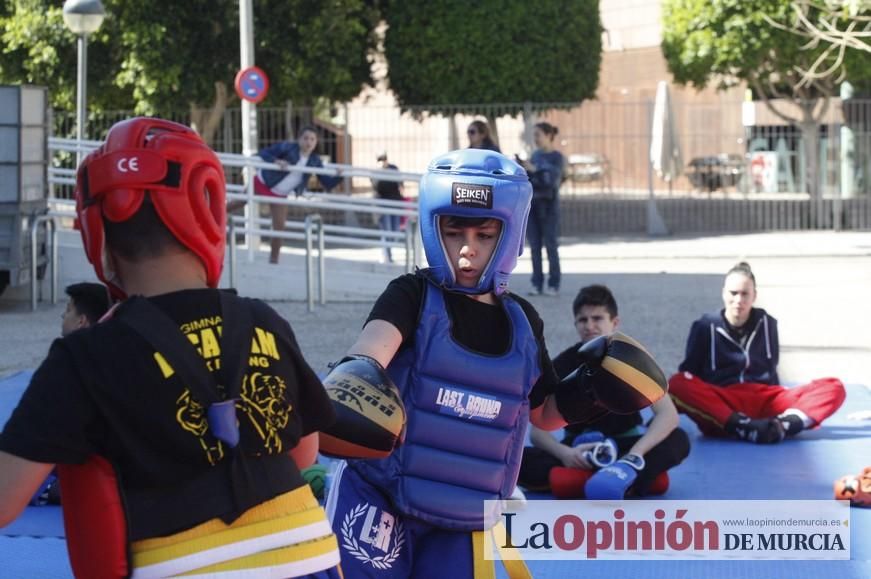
point(469, 361)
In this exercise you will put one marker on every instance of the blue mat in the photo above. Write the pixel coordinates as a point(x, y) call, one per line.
point(802, 468)
point(11, 389)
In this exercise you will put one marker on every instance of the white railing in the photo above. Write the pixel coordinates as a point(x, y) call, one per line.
point(299, 230)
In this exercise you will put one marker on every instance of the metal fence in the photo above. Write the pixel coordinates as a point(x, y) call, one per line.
point(735, 177)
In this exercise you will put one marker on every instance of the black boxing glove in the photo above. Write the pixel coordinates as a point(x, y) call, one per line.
point(370, 415)
point(618, 375)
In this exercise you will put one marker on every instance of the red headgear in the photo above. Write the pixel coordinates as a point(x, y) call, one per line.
point(183, 176)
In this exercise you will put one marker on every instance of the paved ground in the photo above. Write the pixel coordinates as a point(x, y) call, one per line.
point(815, 283)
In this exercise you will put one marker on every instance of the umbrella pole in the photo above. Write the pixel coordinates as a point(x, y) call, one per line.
point(655, 224)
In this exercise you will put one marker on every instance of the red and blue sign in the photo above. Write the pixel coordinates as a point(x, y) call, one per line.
point(252, 84)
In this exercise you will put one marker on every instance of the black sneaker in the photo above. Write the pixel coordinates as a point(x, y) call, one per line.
point(757, 430)
point(791, 423)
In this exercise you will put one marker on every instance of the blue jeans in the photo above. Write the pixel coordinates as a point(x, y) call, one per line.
point(388, 223)
point(543, 229)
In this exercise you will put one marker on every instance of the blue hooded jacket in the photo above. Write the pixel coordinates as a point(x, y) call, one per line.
point(716, 357)
point(289, 152)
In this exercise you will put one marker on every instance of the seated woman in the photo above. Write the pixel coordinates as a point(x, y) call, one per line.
point(727, 383)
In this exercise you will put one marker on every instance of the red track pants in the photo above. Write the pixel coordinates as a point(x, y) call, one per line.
point(709, 406)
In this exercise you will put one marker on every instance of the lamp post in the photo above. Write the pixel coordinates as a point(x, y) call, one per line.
point(82, 17)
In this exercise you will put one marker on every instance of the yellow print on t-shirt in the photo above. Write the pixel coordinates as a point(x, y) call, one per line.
point(267, 407)
point(263, 396)
point(192, 417)
point(204, 334)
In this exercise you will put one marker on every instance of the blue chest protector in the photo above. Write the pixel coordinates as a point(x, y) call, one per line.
point(467, 418)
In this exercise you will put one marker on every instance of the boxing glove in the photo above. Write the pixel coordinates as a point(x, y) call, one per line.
point(370, 415)
point(94, 519)
point(612, 482)
point(618, 375)
point(603, 454)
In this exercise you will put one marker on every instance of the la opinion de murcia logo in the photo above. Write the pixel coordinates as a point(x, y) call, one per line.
point(380, 532)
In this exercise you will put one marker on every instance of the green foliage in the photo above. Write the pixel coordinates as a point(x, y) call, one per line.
point(322, 49)
point(453, 52)
point(728, 40)
point(162, 55)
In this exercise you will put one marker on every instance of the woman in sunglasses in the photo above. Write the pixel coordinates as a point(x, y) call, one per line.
point(479, 136)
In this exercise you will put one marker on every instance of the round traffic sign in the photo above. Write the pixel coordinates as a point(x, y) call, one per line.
point(252, 84)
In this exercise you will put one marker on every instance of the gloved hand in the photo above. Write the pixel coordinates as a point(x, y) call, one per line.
point(588, 436)
point(602, 454)
point(370, 415)
point(612, 482)
point(618, 375)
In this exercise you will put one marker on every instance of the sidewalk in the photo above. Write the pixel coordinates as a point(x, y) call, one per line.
point(779, 244)
point(815, 284)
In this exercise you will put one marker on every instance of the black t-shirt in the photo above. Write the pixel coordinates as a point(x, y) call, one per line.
point(105, 390)
point(389, 189)
point(479, 326)
point(611, 424)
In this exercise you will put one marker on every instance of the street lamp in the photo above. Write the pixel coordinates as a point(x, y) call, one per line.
point(83, 17)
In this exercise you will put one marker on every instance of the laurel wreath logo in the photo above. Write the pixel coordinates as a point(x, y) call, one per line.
point(349, 542)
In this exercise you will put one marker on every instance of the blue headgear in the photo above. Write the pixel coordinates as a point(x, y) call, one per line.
point(476, 183)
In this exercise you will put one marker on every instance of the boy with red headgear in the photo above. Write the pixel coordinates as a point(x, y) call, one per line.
point(171, 422)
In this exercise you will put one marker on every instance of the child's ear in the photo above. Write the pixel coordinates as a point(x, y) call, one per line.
point(616, 321)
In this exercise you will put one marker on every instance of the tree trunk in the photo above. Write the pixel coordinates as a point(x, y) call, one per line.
point(859, 124)
point(453, 133)
point(207, 121)
point(811, 139)
point(810, 136)
point(530, 117)
point(494, 130)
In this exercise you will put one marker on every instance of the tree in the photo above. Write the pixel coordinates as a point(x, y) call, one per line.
point(840, 24)
point(836, 30)
point(455, 56)
point(159, 56)
point(730, 41)
point(842, 30)
point(37, 48)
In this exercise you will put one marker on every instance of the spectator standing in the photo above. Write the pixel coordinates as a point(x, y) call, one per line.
point(480, 137)
point(391, 191)
point(292, 158)
point(545, 170)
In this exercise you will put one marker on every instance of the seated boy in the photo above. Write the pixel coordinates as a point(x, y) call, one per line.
point(647, 452)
